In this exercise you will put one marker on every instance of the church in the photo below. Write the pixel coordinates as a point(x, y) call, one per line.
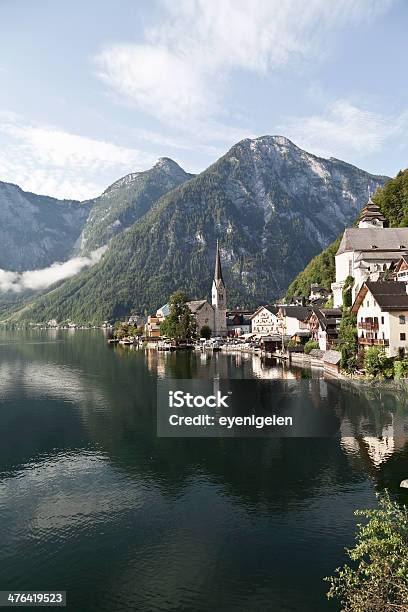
point(213, 315)
point(368, 251)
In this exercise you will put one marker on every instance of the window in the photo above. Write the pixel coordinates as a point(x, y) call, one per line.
point(402, 319)
point(402, 336)
point(368, 303)
point(382, 320)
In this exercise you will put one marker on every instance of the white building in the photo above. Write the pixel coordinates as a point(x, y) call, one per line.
point(264, 321)
point(367, 251)
point(381, 308)
point(293, 320)
point(219, 298)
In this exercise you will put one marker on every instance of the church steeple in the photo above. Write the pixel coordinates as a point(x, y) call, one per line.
point(371, 215)
point(218, 269)
point(219, 297)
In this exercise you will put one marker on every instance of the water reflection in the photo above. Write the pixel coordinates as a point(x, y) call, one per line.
point(94, 501)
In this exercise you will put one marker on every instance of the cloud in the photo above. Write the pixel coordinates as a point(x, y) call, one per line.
point(345, 129)
point(33, 280)
point(45, 159)
point(181, 71)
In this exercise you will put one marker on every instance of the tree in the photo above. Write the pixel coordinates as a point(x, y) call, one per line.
point(205, 332)
point(180, 324)
point(377, 364)
point(348, 341)
point(311, 344)
point(378, 582)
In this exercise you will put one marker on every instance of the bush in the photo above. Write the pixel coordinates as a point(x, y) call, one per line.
point(401, 369)
point(205, 332)
point(379, 578)
point(377, 364)
point(311, 344)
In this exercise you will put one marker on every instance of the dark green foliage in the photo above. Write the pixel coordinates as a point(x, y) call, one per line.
point(311, 344)
point(393, 200)
point(321, 270)
point(122, 330)
point(347, 292)
point(377, 580)
point(377, 364)
point(401, 368)
point(180, 324)
point(348, 341)
point(205, 332)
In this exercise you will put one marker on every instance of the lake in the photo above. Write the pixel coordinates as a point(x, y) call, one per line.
point(93, 502)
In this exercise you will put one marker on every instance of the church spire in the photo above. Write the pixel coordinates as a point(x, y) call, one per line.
point(218, 269)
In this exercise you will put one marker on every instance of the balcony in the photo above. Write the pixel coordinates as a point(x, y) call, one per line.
point(368, 325)
point(373, 342)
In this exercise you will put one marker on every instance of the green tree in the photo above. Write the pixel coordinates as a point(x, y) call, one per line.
point(378, 580)
point(205, 332)
point(348, 341)
point(311, 344)
point(377, 364)
point(400, 369)
point(180, 324)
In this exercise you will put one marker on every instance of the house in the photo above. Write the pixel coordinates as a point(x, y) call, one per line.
point(152, 327)
point(400, 271)
point(264, 321)
point(293, 320)
point(381, 308)
point(203, 313)
point(331, 361)
point(367, 252)
point(324, 326)
point(239, 322)
point(317, 292)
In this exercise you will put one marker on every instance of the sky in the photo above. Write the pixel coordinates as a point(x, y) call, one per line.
point(90, 91)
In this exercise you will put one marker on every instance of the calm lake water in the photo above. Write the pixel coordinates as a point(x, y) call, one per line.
point(94, 503)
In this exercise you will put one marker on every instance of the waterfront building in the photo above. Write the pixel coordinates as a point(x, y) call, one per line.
point(367, 252)
point(152, 327)
point(264, 321)
point(293, 320)
point(239, 322)
point(324, 324)
point(381, 308)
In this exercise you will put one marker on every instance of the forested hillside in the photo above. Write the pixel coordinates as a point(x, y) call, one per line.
point(393, 201)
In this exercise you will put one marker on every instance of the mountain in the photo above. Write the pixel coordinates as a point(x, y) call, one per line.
point(273, 207)
point(37, 230)
point(393, 201)
point(127, 200)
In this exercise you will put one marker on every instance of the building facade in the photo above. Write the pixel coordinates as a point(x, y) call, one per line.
point(367, 252)
point(264, 321)
point(381, 308)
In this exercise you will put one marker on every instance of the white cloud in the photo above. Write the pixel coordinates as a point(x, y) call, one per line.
point(344, 129)
point(17, 282)
point(181, 70)
point(47, 160)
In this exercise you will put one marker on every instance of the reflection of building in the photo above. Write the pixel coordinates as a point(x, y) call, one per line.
point(367, 251)
point(382, 316)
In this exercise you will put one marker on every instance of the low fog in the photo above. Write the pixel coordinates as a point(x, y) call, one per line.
point(17, 282)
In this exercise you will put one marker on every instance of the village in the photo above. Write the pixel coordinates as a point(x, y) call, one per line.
point(370, 290)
